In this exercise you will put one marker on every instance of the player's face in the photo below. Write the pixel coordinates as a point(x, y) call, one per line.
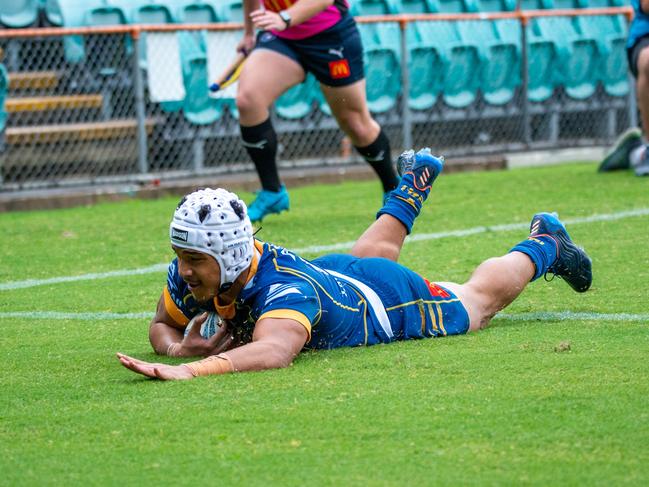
point(201, 273)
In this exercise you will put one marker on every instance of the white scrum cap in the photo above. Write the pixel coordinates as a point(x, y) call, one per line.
point(215, 222)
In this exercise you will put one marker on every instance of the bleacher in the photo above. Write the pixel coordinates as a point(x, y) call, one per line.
point(79, 89)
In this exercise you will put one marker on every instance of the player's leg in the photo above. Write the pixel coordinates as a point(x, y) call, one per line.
point(629, 149)
point(335, 57)
point(640, 157)
point(385, 237)
point(498, 281)
point(266, 74)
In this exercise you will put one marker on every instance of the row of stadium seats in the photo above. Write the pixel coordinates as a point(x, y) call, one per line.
point(24, 13)
point(453, 61)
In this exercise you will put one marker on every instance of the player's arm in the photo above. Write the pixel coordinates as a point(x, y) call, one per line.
point(300, 11)
point(276, 342)
point(167, 336)
point(163, 330)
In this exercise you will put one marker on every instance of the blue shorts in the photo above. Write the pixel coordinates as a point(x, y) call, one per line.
point(416, 308)
point(334, 56)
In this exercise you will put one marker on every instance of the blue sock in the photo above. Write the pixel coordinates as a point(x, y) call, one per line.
point(405, 201)
point(542, 251)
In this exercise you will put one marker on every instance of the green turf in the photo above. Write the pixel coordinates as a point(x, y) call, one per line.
point(523, 402)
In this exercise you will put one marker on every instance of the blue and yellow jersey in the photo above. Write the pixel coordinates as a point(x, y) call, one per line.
point(341, 300)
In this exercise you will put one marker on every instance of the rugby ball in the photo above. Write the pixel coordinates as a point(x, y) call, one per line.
point(209, 327)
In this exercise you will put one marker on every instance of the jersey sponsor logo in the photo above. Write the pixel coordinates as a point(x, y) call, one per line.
point(339, 69)
point(178, 234)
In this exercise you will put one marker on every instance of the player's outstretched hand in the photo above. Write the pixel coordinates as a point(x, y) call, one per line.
point(155, 371)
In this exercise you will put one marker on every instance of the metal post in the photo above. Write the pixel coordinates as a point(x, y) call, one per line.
point(406, 117)
point(198, 152)
point(140, 111)
point(525, 79)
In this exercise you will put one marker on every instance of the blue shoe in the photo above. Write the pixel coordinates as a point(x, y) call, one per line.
point(268, 202)
point(423, 165)
point(572, 263)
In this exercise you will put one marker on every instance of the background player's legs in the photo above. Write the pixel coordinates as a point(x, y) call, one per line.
point(493, 286)
point(349, 107)
point(642, 88)
point(265, 76)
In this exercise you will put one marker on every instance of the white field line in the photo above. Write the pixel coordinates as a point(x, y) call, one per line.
point(317, 249)
point(532, 316)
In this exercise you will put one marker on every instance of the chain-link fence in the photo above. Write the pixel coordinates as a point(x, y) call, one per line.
point(130, 103)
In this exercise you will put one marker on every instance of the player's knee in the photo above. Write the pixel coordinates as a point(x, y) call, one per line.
point(248, 102)
point(360, 129)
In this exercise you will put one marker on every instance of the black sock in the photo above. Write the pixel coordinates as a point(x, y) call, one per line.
point(261, 143)
point(377, 155)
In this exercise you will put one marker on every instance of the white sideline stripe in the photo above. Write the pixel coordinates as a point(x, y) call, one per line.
point(316, 249)
point(84, 277)
point(533, 316)
point(572, 315)
point(60, 315)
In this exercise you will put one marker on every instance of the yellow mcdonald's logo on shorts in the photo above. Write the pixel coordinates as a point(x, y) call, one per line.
point(339, 69)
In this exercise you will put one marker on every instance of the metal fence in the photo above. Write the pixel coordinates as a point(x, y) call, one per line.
point(130, 103)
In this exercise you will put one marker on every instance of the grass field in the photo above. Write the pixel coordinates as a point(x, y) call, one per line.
point(556, 392)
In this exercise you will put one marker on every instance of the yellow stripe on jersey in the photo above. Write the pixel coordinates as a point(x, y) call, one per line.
point(289, 314)
point(172, 310)
point(441, 318)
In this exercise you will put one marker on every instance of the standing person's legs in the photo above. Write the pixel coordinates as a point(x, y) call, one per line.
point(640, 156)
point(265, 76)
point(349, 106)
point(629, 149)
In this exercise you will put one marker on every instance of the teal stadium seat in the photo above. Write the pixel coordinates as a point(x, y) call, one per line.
point(114, 49)
point(193, 12)
point(457, 6)
point(542, 59)
point(198, 107)
point(460, 59)
point(500, 60)
point(496, 5)
point(70, 13)
point(298, 101)
point(426, 66)
point(577, 55)
point(230, 10)
point(18, 13)
point(382, 54)
point(610, 33)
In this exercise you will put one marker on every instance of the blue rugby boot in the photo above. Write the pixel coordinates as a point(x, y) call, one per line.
point(268, 202)
point(423, 165)
point(418, 173)
point(571, 264)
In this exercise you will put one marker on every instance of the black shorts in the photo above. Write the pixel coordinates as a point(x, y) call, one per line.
point(633, 54)
point(334, 56)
